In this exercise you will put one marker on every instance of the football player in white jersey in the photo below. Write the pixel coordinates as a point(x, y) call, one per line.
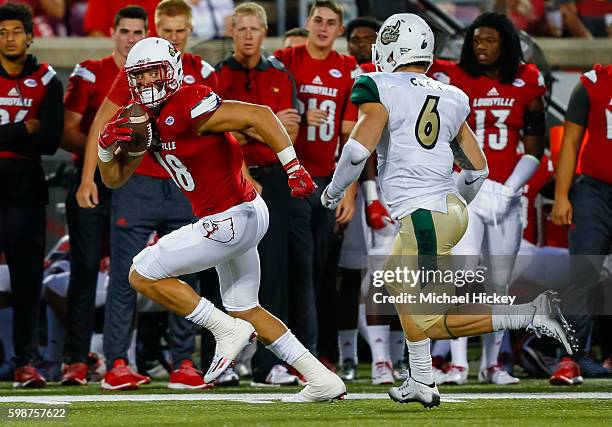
point(417, 126)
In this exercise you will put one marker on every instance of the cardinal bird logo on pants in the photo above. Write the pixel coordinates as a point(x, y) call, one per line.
point(221, 231)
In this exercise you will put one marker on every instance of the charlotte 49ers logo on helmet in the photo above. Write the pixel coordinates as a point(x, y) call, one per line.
point(171, 50)
point(390, 33)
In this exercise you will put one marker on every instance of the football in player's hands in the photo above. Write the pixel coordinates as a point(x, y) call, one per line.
point(139, 122)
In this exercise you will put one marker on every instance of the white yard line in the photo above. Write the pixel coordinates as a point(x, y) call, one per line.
point(272, 397)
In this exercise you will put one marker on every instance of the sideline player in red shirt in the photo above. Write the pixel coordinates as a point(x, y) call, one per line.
point(192, 123)
point(31, 126)
point(149, 202)
point(588, 212)
point(324, 79)
point(507, 108)
point(246, 75)
point(89, 228)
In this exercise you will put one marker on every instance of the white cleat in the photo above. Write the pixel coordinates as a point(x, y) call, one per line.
point(228, 347)
point(382, 372)
point(438, 375)
point(496, 375)
point(548, 320)
point(414, 391)
point(327, 388)
point(279, 375)
point(229, 378)
point(456, 375)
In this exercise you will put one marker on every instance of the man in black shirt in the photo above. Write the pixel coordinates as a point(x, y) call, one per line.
point(31, 124)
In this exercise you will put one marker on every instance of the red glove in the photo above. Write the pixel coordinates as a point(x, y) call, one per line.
point(377, 216)
point(300, 182)
point(113, 132)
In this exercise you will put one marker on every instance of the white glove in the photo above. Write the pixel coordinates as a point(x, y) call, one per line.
point(328, 201)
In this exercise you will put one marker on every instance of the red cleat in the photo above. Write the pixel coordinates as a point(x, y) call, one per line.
point(28, 377)
point(141, 379)
point(75, 374)
point(186, 377)
point(120, 377)
point(567, 373)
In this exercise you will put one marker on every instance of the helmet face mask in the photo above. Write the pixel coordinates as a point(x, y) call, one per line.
point(152, 93)
point(154, 71)
point(404, 38)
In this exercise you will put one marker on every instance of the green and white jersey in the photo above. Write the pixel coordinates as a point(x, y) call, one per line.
point(415, 160)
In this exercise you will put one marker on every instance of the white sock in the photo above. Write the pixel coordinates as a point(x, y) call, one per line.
point(97, 344)
point(492, 342)
point(362, 323)
point(310, 367)
point(511, 316)
point(420, 361)
point(288, 349)
point(347, 345)
point(207, 315)
point(131, 353)
point(379, 341)
point(6, 332)
point(56, 336)
point(440, 348)
point(458, 349)
point(397, 345)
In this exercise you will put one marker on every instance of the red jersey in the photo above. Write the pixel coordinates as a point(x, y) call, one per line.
point(497, 110)
point(268, 83)
point(595, 157)
point(530, 192)
point(208, 169)
point(87, 87)
point(21, 98)
point(324, 84)
point(195, 71)
point(100, 14)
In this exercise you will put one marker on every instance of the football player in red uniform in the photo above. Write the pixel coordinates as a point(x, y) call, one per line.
point(323, 79)
point(31, 124)
point(89, 228)
point(194, 150)
point(507, 109)
point(589, 209)
point(136, 212)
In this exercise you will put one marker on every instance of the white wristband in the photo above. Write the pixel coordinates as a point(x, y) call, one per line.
point(286, 155)
point(105, 154)
point(369, 190)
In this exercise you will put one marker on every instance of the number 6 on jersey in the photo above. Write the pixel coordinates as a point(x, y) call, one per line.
point(428, 124)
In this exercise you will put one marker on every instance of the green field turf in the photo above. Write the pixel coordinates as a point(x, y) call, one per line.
point(476, 412)
point(348, 413)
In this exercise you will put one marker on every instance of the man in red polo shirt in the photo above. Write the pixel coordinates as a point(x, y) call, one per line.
point(587, 211)
point(324, 79)
point(149, 202)
point(89, 228)
point(247, 76)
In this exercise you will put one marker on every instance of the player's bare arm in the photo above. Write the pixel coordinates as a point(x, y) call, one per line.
point(73, 140)
point(116, 172)
point(286, 117)
point(238, 116)
point(241, 116)
point(87, 193)
point(466, 150)
point(568, 159)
